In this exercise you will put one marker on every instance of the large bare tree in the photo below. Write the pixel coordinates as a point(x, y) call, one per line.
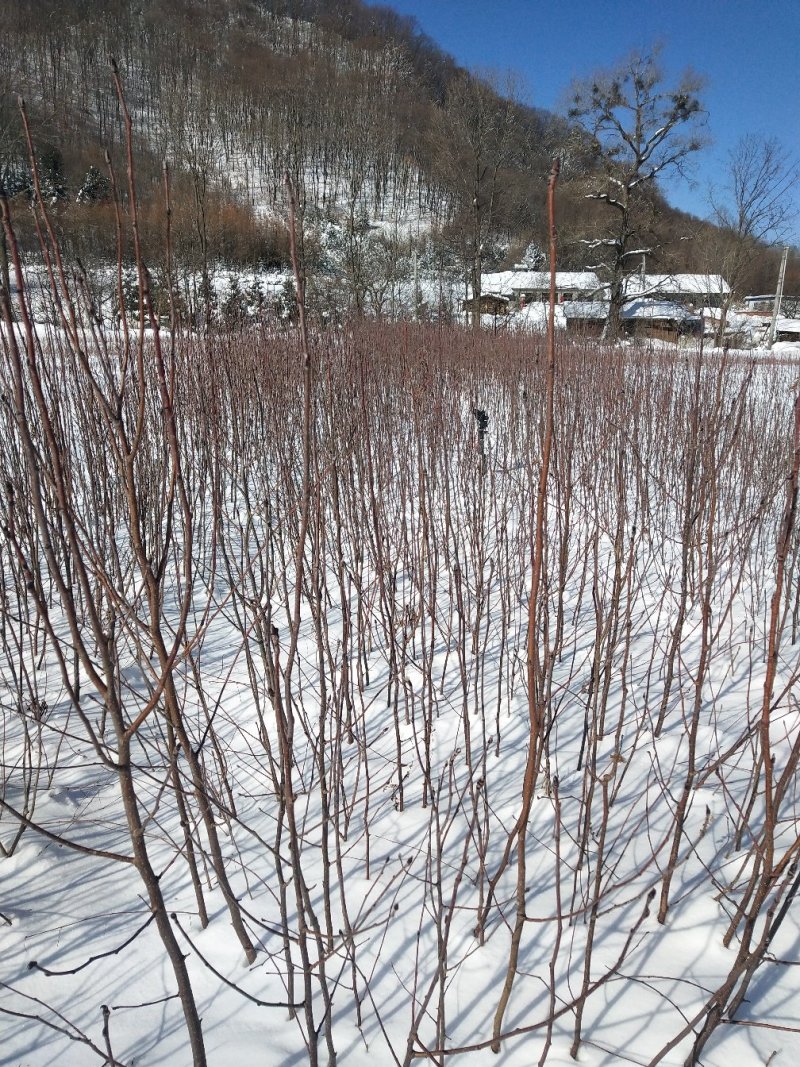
point(639, 130)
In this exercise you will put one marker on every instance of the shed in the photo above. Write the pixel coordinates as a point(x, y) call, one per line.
point(663, 319)
point(787, 330)
point(586, 317)
point(491, 304)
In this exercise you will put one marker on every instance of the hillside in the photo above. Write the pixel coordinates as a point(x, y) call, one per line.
point(387, 141)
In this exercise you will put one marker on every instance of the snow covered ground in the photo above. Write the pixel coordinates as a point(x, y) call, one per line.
point(352, 678)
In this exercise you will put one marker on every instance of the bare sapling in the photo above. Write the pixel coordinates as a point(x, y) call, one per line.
point(536, 709)
point(76, 573)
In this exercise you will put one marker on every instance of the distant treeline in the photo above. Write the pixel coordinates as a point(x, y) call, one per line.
point(371, 120)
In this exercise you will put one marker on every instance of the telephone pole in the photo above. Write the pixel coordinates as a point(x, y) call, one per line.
point(778, 297)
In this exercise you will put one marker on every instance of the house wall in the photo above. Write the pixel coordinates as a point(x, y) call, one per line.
point(490, 305)
point(663, 331)
point(542, 296)
point(584, 328)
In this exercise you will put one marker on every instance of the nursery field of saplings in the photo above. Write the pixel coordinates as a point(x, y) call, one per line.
point(377, 697)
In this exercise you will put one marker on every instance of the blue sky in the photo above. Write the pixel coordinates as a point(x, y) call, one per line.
point(748, 52)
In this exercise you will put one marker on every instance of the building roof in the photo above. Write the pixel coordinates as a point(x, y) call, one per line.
point(512, 282)
point(538, 280)
point(587, 310)
point(498, 283)
point(687, 284)
point(661, 310)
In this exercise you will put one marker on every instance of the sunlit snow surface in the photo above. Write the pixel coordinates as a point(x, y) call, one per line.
point(422, 598)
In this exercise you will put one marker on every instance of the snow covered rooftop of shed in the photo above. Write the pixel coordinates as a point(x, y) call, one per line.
point(663, 310)
point(498, 283)
point(657, 309)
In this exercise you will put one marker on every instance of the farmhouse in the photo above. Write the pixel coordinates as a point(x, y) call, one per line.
point(656, 305)
point(521, 287)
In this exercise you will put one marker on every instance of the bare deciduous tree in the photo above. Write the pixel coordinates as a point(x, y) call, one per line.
point(639, 130)
point(478, 128)
point(754, 207)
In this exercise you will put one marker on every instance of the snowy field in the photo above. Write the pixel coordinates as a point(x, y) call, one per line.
point(269, 706)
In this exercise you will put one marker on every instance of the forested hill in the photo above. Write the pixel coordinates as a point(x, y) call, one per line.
point(386, 139)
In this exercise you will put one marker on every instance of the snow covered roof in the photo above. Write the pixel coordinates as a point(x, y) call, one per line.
point(787, 326)
point(511, 282)
point(689, 284)
point(498, 283)
point(664, 310)
point(539, 280)
point(593, 310)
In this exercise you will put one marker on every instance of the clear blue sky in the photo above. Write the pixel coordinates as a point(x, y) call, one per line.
point(747, 50)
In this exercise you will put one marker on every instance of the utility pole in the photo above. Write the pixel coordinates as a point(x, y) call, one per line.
point(778, 297)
